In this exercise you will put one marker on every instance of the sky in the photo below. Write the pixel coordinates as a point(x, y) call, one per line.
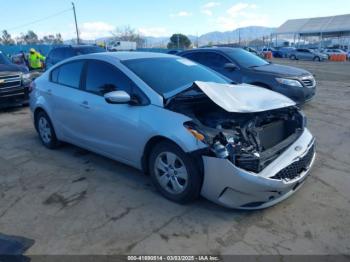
point(156, 17)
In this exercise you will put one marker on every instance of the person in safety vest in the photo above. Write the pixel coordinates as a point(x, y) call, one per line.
point(35, 59)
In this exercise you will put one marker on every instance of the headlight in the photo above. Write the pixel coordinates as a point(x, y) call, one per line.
point(289, 82)
point(26, 77)
point(194, 132)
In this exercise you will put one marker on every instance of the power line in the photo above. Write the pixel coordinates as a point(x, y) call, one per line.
point(39, 20)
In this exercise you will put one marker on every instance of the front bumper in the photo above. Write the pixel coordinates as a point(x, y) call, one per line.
point(230, 186)
point(19, 96)
point(300, 95)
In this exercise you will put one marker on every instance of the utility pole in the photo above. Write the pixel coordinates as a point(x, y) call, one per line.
point(239, 36)
point(76, 24)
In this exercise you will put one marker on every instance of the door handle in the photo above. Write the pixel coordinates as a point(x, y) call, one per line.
point(49, 92)
point(85, 104)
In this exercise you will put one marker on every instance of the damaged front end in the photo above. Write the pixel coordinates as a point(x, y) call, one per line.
point(259, 151)
point(250, 140)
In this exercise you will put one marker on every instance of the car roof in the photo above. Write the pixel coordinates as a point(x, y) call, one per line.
point(220, 49)
point(123, 56)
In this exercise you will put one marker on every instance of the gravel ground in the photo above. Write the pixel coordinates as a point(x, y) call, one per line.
point(71, 201)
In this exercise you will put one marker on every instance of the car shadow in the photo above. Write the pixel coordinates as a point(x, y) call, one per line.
point(136, 179)
point(13, 109)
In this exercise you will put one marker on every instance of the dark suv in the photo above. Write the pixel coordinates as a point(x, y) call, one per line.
point(14, 83)
point(61, 53)
point(244, 67)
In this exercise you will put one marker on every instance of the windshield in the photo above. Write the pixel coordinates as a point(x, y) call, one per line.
point(165, 75)
point(246, 59)
point(4, 60)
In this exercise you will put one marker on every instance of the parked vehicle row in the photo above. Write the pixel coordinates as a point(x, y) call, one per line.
point(189, 127)
point(301, 53)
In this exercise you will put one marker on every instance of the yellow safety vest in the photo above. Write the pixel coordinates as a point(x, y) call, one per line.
point(35, 59)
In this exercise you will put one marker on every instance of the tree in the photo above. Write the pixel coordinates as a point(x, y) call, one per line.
point(179, 41)
point(31, 38)
point(6, 39)
point(52, 39)
point(127, 33)
point(20, 40)
point(58, 40)
point(48, 39)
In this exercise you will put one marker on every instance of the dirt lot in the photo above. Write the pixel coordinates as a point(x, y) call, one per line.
point(71, 201)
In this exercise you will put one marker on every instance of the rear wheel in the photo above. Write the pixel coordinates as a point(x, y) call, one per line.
point(293, 57)
point(317, 58)
point(174, 173)
point(46, 131)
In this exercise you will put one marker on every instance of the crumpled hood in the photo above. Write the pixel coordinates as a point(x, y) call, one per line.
point(288, 71)
point(243, 98)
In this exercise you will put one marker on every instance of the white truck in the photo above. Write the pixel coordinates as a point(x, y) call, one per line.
point(123, 46)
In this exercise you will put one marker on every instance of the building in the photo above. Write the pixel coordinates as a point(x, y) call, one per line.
point(316, 30)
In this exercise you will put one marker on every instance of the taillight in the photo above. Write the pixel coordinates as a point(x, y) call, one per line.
point(31, 86)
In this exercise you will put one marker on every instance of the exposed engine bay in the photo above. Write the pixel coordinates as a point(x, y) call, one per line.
point(249, 140)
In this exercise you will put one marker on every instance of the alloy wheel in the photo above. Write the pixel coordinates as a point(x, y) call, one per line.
point(45, 130)
point(171, 173)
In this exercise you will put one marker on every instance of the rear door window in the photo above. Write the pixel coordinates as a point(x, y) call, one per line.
point(68, 53)
point(58, 55)
point(52, 55)
point(68, 74)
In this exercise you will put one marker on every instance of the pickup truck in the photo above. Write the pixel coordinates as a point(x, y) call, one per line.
point(14, 83)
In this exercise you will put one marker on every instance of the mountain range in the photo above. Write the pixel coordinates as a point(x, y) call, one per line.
point(216, 37)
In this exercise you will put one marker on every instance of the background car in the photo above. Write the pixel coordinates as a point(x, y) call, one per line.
point(14, 82)
point(251, 50)
point(274, 51)
point(285, 52)
point(243, 67)
point(307, 54)
point(61, 53)
point(180, 122)
point(20, 59)
point(330, 52)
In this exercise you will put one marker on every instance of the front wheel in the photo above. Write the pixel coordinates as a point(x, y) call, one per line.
point(174, 173)
point(318, 59)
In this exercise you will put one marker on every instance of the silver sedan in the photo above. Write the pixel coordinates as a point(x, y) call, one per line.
point(189, 128)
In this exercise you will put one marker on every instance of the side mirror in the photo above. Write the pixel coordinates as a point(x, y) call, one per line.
point(117, 97)
point(231, 67)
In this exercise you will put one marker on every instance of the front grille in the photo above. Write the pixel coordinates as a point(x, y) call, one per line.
point(295, 169)
point(308, 82)
point(10, 85)
point(10, 81)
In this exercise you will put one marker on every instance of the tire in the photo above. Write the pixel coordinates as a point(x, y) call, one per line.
point(318, 59)
point(174, 173)
point(46, 131)
point(293, 57)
